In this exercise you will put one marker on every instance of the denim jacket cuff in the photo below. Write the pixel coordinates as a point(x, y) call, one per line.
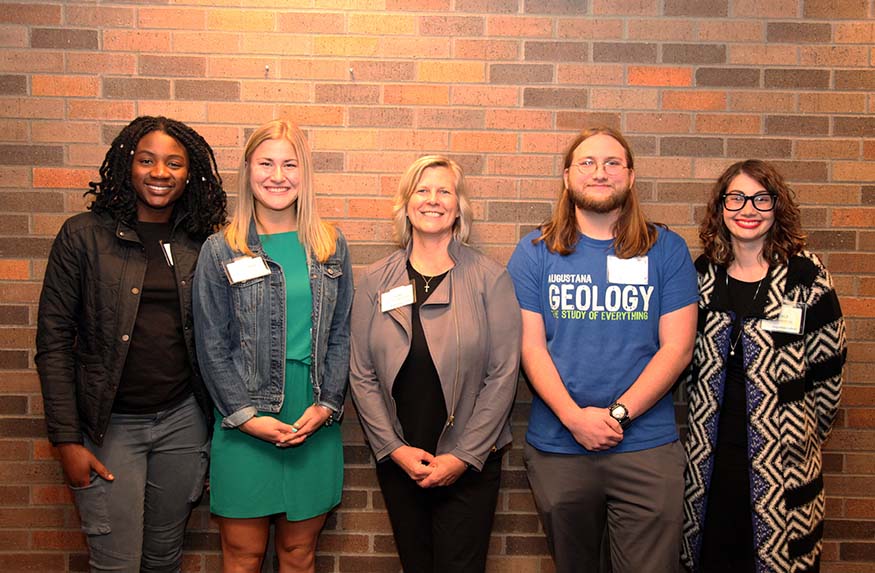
point(336, 413)
point(239, 417)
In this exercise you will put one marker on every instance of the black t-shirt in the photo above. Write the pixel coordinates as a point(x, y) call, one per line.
point(419, 399)
point(157, 372)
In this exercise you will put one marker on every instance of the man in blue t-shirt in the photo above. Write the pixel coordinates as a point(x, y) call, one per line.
point(609, 317)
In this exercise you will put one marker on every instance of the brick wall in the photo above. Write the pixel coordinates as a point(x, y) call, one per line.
point(501, 85)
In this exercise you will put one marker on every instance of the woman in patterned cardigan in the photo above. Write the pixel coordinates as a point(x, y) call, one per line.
point(764, 386)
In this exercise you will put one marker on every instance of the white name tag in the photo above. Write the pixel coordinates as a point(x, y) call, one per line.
point(245, 269)
point(790, 321)
point(397, 297)
point(627, 271)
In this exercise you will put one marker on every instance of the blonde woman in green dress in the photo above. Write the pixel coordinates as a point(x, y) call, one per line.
point(272, 296)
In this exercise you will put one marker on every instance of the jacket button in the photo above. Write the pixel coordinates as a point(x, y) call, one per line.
point(125, 337)
point(182, 283)
point(121, 233)
point(135, 290)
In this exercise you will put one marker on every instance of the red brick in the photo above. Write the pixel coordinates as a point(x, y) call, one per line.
point(38, 562)
point(310, 23)
point(99, 16)
point(181, 110)
point(485, 49)
point(589, 74)
point(177, 17)
point(832, 102)
point(30, 61)
point(522, 74)
point(248, 20)
point(863, 171)
point(316, 115)
point(660, 76)
point(834, 56)
point(451, 72)
point(482, 96)
point(719, 30)
point(100, 110)
point(358, 46)
point(381, 24)
point(727, 123)
point(418, 139)
point(757, 9)
point(211, 43)
point(136, 41)
point(519, 26)
point(68, 86)
point(518, 119)
point(659, 29)
point(402, 47)
point(407, 94)
point(162, 66)
point(658, 122)
point(854, 32)
point(274, 91)
point(14, 269)
point(756, 54)
point(30, 14)
point(473, 141)
point(101, 63)
point(626, 7)
point(698, 100)
point(754, 101)
point(623, 99)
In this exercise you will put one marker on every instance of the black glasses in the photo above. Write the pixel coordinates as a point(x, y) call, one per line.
point(761, 201)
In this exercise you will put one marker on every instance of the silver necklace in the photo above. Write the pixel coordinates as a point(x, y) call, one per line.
point(733, 344)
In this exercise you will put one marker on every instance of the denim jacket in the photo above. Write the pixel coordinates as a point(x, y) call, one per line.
point(240, 331)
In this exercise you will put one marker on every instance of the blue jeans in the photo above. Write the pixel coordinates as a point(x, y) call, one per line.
point(137, 521)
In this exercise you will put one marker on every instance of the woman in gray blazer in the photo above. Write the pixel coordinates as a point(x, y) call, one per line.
point(435, 359)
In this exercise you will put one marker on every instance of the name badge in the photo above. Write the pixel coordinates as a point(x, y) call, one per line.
point(790, 321)
point(168, 256)
point(397, 297)
point(632, 271)
point(245, 269)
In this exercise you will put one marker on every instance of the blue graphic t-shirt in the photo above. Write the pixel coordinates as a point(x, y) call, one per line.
point(601, 316)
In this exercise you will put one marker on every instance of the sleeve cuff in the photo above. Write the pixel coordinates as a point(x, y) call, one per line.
point(240, 416)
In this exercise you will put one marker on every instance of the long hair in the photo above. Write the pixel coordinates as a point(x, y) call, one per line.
point(203, 200)
point(317, 236)
point(784, 239)
point(406, 187)
point(634, 235)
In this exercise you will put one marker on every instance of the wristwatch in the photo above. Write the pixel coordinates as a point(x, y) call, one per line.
point(620, 414)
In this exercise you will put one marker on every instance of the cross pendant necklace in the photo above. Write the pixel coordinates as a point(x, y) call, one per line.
point(426, 280)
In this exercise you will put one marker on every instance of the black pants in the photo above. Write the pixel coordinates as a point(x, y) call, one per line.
point(442, 529)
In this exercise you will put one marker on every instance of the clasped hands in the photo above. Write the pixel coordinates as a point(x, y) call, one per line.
point(284, 435)
point(428, 470)
point(594, 428)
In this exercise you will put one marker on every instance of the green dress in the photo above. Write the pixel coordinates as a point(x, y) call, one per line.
point(253, 478)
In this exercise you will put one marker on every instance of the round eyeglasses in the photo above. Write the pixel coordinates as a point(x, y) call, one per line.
point(590, 166)
point(761, 201)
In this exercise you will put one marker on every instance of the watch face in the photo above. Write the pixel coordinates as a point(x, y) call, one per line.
point(618, 412)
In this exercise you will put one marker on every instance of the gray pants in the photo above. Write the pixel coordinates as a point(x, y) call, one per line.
point(137, 521)
point(635, 497)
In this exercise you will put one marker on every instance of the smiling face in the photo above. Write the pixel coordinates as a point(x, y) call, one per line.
point(275, 179)
point(598, 191)
point(748, 225)
point(434, 205)
point(158, 174)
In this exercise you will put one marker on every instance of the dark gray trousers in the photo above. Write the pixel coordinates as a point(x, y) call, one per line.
point(636, 498)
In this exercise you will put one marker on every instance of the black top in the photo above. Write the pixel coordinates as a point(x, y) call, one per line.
point(727, 543)
point(417, 391)
point(157, 372)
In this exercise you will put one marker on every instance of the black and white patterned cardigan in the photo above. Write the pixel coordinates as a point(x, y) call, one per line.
point(793, 388)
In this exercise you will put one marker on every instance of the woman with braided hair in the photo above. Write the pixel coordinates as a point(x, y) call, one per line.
point(125, 405)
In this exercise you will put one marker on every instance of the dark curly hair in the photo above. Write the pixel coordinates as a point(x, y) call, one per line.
point(784, 239)
point(204, 198)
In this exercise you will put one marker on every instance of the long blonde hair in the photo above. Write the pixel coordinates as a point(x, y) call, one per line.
point(634, 235)
point(317, 236)
point(406, 187)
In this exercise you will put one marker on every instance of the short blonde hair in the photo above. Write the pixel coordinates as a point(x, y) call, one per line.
point(408, 184)
point(317, 236)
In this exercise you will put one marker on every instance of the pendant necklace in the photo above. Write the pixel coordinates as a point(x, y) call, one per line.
point(734, 343)
point(426, 280)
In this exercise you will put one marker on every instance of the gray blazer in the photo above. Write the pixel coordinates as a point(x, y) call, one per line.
point(473, 327)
